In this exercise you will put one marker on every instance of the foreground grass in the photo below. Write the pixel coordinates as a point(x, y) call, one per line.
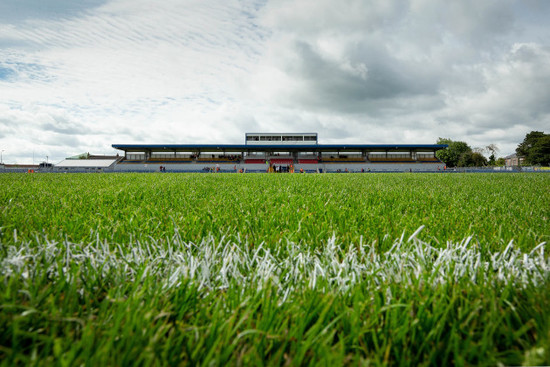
point(280, 269)
point(228, 303)
point(495, 208)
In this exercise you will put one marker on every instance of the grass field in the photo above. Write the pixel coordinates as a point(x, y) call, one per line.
point(217, 269)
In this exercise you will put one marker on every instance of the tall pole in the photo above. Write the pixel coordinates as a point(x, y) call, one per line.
point(1, 157)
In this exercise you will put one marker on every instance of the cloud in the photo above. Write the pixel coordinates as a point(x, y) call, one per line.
point(364, 81)
point(15, 11)
point(131, 69)
point(418, 69)
point(79, 76)
point(515, 90)
point(353, 52)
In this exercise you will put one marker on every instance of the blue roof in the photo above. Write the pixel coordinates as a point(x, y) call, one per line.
point(283, 147)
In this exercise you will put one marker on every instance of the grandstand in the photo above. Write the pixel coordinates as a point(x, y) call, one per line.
point(262, 152)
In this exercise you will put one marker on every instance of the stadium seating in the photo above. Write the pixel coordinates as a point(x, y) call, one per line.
point(428, 159)
point(308, 161)
point(214, 159)
point(281, 161)
point(342, 159)
point(390, 159)
point(169, 159)
point(255, 161)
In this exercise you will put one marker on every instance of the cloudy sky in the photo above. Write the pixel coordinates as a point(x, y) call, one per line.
point(78, 76)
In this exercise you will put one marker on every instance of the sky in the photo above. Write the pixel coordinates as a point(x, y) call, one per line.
point(79, 76)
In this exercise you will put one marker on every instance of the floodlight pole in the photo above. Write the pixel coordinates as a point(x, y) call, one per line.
point(1, 157)
point(46, 159)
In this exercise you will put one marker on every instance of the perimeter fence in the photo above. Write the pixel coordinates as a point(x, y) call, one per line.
point(448, 170)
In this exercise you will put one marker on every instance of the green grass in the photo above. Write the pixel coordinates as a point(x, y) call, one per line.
point(216, 269)
point(311, 208)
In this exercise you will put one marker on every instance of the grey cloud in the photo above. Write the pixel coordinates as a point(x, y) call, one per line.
point(385, 65)
point(309, 18)
point(65, 128)
point(477, 21)
point(512, 101)
point(55, 119)
point(336, 132)
point(246, 123)
point(57, 140)
point(10, 124)
point(372, 81)
point(470, 21)
point(517, 87)
point(4, 128)
point(434, 61)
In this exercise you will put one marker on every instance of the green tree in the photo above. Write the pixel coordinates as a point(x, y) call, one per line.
point(472, 159)
point(451, 155)
point(535, 148)
point(540, 152)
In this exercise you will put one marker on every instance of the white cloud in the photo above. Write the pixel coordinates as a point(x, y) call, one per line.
point(79, 78)
point(514, 98)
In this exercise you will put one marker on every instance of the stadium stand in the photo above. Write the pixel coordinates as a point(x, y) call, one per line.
point(390, 159)
point(428, 159)
point(302, 151)
point(170, 160)
point(255, 161)
point(308, 161)
point(343, 159)
point(281, 161)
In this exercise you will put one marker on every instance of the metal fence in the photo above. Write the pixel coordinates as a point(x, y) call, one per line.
point(500, 169)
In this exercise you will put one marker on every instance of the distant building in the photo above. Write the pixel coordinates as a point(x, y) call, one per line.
point(18, 167)
point(513, 160)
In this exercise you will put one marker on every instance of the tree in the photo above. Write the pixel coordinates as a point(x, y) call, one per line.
point(493, 150)
point(500, 162)
point(451, 155)
point(479, 160)
point(535, 148)
point(492, 161)
point(472, 159)
point(540, 152)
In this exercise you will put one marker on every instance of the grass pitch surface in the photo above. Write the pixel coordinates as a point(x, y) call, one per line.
point(274, 269)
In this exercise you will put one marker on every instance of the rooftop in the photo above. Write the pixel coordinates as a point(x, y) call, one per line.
point(275, 147)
